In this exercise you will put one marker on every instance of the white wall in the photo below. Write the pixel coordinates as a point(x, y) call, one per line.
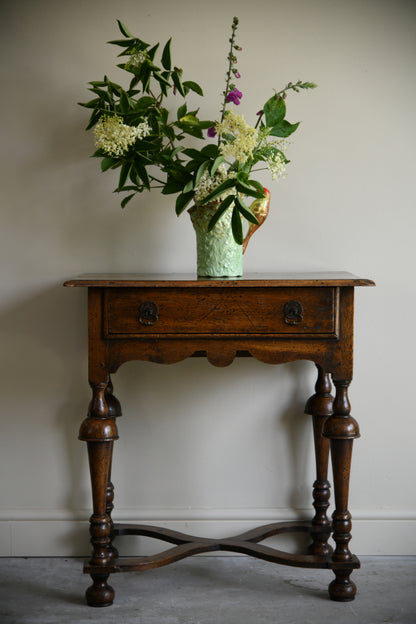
point(208, 449)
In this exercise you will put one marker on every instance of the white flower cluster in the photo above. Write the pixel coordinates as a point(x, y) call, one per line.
point(277, 165)
point(114, 137)
point(244, 137)
point(207, 184)
point(273, 151)
point(136, 60)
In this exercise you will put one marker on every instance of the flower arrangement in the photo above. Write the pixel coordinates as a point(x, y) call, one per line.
point(136, 133)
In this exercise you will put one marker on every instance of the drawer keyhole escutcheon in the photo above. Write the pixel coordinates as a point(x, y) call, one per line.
point(293, 313)
point(148, 313)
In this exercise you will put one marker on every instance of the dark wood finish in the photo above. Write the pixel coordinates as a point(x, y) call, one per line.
point(113, 411)
point(320, 407)
point(224, 311)
point(274, 318)
point(163, 280)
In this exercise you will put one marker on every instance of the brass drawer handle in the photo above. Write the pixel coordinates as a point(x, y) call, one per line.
point(148, 313)
point(293, 313)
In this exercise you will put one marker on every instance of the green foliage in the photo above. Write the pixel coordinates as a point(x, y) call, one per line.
point(275, 111)
point(150, 144)
point(142, 100)
point(237, 226)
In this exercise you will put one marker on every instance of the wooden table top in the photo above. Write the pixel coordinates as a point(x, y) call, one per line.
point(137, 280)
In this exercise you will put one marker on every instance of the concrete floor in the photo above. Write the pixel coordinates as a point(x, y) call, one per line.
point(207, 590)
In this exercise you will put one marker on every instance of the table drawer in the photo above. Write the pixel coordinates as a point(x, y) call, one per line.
point(143, 311)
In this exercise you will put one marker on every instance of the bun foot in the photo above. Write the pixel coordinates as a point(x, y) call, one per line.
point(342, 589)
point(99, 594)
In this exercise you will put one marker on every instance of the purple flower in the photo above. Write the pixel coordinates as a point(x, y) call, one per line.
point(236, 73)
point(212, 132)
point(234, 96)
point(260, 112)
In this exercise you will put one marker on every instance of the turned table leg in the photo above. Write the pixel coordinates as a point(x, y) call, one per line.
point(341, 429)
point(114, 411)
point(320, 407)
point(99, 431)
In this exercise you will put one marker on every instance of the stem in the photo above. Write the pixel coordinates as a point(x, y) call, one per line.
point(230, 63)
point(158, 100)
point(259, 119)
point(157, 180)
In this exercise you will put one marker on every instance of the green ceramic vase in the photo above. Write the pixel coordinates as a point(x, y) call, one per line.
point(218, 255)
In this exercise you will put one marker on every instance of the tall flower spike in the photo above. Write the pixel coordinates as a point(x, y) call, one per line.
point(231, 94)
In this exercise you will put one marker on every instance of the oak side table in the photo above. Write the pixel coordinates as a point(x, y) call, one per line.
point(275, 318)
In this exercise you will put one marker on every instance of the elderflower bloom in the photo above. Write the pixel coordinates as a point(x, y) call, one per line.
point(244, 137)
point(207, 184)
point(277, 165)
point(114, 137)
point(136, 60)
point(276, 160)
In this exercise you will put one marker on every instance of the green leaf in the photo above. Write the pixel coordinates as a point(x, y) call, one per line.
point(237, 226)
point(221, 209)
point(144, 102)
point(182, 201)
point(126, 200)
point(211, 150)
point(124, 30)
point(124, 174)
point(244, 188)
point(284, 129)
point(107, 163)
point(189, 119)
point(193, 153)
point(225, 186)
point(192, 165)
point(90, 104)
point(177, 150)
point(169, 132)
point(166, 56)
point(171, 187)
point(245, 211)
point(145, 72)
point(161, 79)
point(178, 83)
point(206, 124)
point(202, 167)
point(258, 186)
point(188, 187)
point(193, 131)
point(193, 86)
point(141, 171)
point(275, 111)
point(181, 111)
point(103, 95)
point(93, 119)
point(247, 190)
point(121, 42)
point(124, 103)
point(152, 53)
point(216, 164)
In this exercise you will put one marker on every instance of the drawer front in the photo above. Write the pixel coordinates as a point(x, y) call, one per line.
point(143, 311)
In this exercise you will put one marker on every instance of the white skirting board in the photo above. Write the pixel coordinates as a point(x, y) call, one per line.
point(59, 533)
